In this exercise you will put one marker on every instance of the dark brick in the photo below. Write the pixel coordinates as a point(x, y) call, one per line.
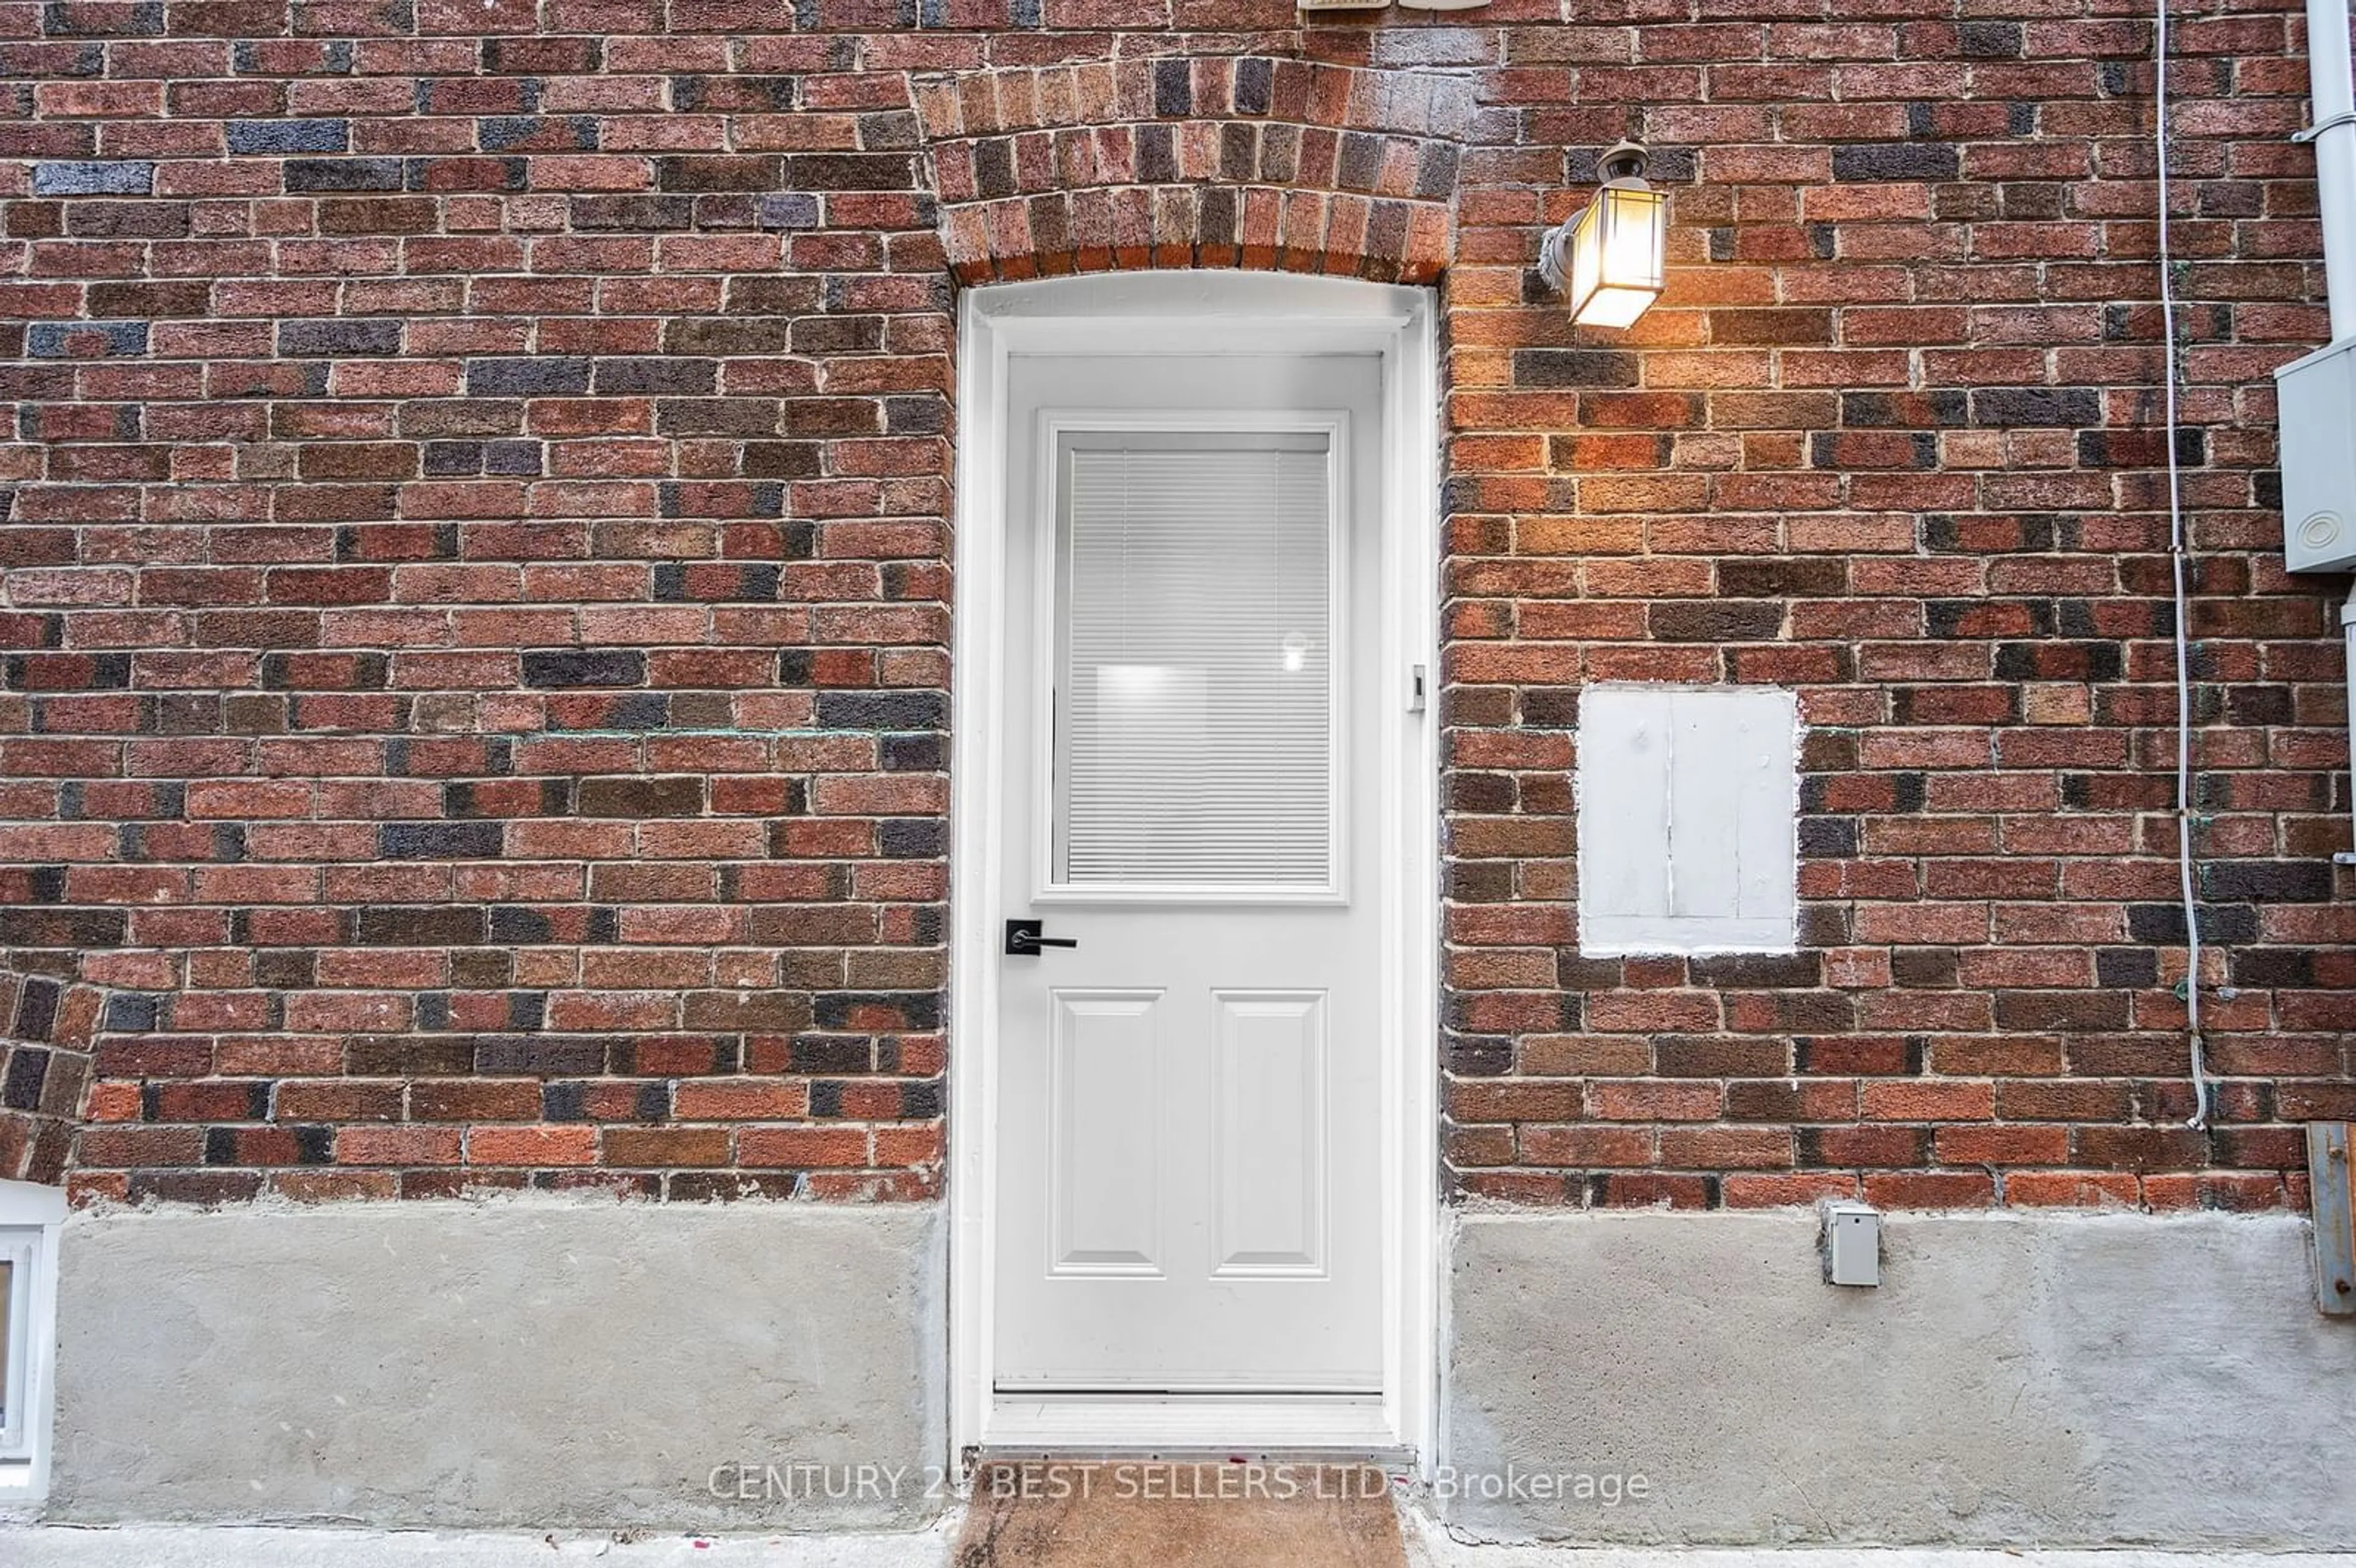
point(413, 926)
point(1575, 368)
point(882, 710)
point(539, 1055)
point(1903, 411)
point(1804, 577)
point(2127, 969)
point(28, 1072)
point(583, 667)
point(343, 174)
point(1173, 87)
point(2140, 449)
point(1897, 161)
point(133, 1012)
point(85, 339)
point(127, 219)
point(668, 377)
point(848, 171)
point(439, 840)
point(513, 457)
point(658, 213)
point(641, 797)
point(2267, 882)
point(511, 924)
point(786, 210)
point(37, 1009)
point(912, 839)
point(2273, 968)
point(1788, 326)
point(22, 927)
point(1714, 621)
point(340, 338)
point(113, 177)
point(867, 1011)
point(719, 173)
point(2220, 923)
point(1255, 81)
point(289, 135)
point(156, 299)
point(1991, 40)
point(2008, 406)
point(547, 377)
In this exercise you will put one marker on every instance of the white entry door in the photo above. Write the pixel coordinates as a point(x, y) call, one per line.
point(1188, 1136)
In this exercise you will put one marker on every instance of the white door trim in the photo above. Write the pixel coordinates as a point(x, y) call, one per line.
point(1209, 313)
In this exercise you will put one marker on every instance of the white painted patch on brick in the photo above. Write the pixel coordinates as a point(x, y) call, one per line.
point(1689, 803)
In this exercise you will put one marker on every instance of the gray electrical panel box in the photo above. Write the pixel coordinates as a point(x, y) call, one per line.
point(1852, 1242)
point(2317, 396)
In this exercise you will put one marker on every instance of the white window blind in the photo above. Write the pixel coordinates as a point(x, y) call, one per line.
point(1194, 733)
point(1689, 807)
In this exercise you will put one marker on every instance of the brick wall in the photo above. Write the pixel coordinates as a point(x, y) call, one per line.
point(477, 604)
point(45, 1031)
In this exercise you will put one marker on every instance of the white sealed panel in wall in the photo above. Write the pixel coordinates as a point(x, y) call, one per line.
point(1688, 802)
point(1195, 725)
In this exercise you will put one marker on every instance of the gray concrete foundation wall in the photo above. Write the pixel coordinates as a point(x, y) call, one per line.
point(2064, 1379)
point(539, 1362)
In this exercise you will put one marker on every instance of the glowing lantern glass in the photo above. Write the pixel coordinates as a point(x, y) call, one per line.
point(1610, 262)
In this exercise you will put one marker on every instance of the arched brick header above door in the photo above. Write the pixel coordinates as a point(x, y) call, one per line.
point(1231, 161)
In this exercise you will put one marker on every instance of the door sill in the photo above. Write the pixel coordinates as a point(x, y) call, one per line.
point(1154, 1423)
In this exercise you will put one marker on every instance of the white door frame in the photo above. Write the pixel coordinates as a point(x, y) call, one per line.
point(1209, 313)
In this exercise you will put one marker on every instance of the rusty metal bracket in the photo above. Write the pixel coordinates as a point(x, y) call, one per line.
point(2335, 1217)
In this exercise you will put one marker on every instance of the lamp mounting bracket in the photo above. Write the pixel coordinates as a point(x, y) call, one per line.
point(1623, 161)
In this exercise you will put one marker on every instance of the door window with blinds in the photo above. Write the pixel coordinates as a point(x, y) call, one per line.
point(1194, 663)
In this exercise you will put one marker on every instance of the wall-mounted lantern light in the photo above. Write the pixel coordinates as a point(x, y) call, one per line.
point(1609, 262)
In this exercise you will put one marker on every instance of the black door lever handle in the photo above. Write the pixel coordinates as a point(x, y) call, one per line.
point(1023, 939)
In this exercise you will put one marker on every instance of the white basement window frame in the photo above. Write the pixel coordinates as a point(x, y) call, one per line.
point(1688, 820)
point(31, 1219)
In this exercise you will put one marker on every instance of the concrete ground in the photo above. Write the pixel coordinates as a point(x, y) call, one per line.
point(167, 1546)
point(209, 1546)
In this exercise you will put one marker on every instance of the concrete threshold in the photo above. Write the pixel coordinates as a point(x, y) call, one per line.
point(1156, 1514)
point(220, 1546)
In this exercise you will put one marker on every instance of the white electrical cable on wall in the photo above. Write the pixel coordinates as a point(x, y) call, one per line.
point(2177, 555)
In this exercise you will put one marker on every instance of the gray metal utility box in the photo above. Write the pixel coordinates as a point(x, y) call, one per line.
point(2318, 399)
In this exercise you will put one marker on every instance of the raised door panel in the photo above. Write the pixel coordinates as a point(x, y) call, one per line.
point(1104, 1175)
point(1269, 1159)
